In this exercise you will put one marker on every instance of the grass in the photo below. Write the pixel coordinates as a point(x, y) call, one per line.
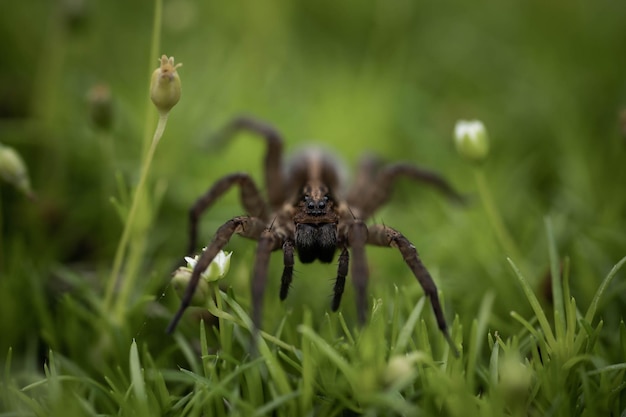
point(530, 272)
point(391, 367)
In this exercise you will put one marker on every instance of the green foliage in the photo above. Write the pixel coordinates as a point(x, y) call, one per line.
point(83, 309)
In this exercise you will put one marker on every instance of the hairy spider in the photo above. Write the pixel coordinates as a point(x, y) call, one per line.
point(305, 213)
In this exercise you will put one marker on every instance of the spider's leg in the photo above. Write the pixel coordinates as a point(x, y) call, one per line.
point(250, 227)
point(268, 243)
point(340, 282)
point(379, 191)
point(274, 180)
point(251, 199)
point(357, 238)
point(285, 281)
point(366, 173)
point(381, 235)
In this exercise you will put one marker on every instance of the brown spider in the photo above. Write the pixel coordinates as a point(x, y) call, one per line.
point(305, 213)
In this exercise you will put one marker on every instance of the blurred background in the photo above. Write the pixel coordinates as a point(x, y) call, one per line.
point(548, 79)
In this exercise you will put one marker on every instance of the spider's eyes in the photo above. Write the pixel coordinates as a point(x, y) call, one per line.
point(313, 205)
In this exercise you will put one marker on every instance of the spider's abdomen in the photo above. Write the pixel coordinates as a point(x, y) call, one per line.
point(316, 241)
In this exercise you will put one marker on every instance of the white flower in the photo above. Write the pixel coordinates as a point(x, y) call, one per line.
point(471, 139)
point(216, 270)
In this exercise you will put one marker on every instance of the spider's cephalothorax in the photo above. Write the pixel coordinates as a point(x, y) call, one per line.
point(307, 212)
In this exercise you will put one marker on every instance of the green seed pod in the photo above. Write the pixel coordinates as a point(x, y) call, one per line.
point(165, 85)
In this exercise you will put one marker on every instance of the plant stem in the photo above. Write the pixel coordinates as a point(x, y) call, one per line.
point(502, 233)
point(128, 225)
point(154, 57)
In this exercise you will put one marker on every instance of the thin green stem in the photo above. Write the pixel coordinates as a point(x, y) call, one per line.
point(154, 57)
point(502, 233)
point(128, 225)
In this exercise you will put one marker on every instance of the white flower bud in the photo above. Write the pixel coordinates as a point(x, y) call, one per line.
point(471, 140)
point(165, 85)
point(401, 368)
point(14, 171)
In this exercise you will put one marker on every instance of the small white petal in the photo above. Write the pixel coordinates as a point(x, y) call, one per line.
point(191, 262)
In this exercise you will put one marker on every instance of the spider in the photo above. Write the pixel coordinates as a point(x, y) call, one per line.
point(306, 214)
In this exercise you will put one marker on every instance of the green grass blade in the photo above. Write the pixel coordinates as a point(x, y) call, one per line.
point(279, 376)
point(493, 364)
point(276, 403)
point(330, 353)
point(308, 368)
point(534, 303)
point(7, 366)
point(557, 285)
point(136, 377)
point(603, 286)
point(408, 328)
point(609, 368)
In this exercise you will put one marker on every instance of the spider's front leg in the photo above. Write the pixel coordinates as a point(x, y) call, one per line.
point(268, 242)
point(250, 227)
point(285, 281)
point(381, 235)
point(250, 197)
point(340, 282)
point(357, 235)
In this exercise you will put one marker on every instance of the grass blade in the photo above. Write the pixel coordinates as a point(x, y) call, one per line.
point(603, 286)
point(557, 285)
point(408, 328)
point(330, 353)
point(534, 303)
point(136, 377)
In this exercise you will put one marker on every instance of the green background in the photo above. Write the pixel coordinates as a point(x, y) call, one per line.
point(548, 79)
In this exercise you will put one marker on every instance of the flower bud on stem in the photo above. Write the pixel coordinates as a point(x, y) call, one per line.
point(472, 143)
point(165, 93)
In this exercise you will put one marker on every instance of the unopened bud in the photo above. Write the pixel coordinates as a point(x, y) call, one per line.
point(13, 170)
point(401, 368)
point(165, 85)
point(180, 281)
point(470, 138)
